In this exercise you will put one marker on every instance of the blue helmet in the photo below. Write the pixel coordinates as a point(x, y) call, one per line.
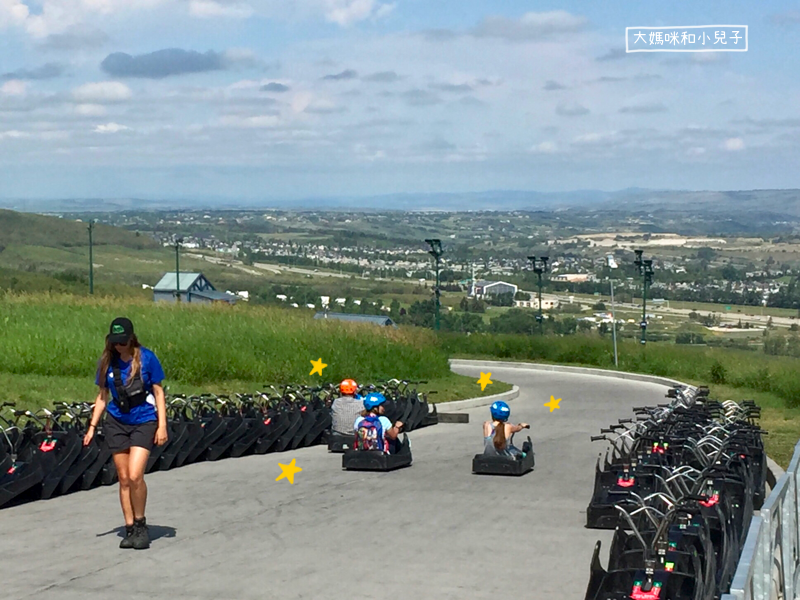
point(373, 399)
point(500, 411)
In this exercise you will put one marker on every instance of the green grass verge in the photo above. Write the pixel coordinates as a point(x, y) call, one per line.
point(51, 343)
point(199, 344)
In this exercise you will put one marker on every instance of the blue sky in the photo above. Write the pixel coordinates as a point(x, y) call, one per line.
point(285, 99)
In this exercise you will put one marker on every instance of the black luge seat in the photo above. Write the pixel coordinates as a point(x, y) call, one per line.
point(307, 422)
point(432, 417)
point(235, 428)
point(59, 450)
point(180, 431)
point(153, 461)
point(295, 422)
point(194, 437)
point(486, 464)
point(323, 423)
point(85, 460)
point(25, 473)
point(91, 476)
point(340, 442)
point(374, 460)
point(214, 427)
point(276, 424)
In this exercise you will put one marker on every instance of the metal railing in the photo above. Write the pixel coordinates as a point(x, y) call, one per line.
point(769, 568)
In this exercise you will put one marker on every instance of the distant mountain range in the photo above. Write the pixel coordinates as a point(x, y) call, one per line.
point(773, 205)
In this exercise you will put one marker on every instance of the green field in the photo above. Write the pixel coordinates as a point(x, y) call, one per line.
point(51, 345)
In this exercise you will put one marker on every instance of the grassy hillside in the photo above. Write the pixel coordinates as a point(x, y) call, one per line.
point(51, 343)
point(60, 335)
point(39, 230)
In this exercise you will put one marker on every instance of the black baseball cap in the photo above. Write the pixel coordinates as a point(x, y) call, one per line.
point(120, 331)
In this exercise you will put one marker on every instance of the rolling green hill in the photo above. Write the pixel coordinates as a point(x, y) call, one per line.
point(41, 253)
point(53, 232)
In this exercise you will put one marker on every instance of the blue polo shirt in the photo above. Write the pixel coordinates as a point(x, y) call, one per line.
point(152, 373)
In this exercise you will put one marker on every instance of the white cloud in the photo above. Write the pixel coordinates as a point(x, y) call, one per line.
point(254, 122)
point(90, 110)
point(300, 101)
point(13, 133)
point(12, 12)
point(696, 151)
point(347, 12)
point(54, 17)
point(103, 91)
point(207, 9)
point(733, 144)
point(57, 16)
point(571, 109)
point(531, 26)
point(596, 138)
point(384, 10)
point(110, 128)
point(14, 87)
point(545, 148)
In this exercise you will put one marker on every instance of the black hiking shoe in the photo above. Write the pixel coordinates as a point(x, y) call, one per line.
point(141, 537)
point(127, 541)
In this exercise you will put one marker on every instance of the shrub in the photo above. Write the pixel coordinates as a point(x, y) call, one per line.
point(718, 373)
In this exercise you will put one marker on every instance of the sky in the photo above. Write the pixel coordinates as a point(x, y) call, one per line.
point(292, 99)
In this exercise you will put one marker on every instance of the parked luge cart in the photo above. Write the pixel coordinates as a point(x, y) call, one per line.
point(375, 460)
point(42, 453)
point(680, 533)
point(483, 464)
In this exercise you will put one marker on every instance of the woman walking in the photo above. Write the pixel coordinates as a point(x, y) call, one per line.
point(137, 419)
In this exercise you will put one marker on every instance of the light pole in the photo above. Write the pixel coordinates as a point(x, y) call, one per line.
point(91, 258)
point(539, 267)
point(436, 253)
point(178, 269)
point(646, 270)
point(612, 264)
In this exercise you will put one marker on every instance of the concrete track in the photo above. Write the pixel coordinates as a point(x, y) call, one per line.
point(228, 530)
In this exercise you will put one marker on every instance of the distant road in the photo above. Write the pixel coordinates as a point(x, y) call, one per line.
point(277, 269)
point(725, 316)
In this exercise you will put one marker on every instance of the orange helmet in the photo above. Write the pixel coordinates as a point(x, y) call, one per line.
point(348, 387)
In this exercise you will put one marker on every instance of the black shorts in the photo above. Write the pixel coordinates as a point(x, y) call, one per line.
point(120, 436)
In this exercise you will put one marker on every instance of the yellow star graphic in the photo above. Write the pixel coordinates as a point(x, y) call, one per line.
point(484, 380)
point(318, 366)
point(553, 404)
point(288, 471)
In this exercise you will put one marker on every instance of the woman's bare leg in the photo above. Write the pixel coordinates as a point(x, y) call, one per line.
point(121, 461)
point(136, 468)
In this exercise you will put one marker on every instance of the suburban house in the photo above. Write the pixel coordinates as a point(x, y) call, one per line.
point(547, 304)
point(573, 277)
point(374, 319)
point(483, 288)
point(194, 287)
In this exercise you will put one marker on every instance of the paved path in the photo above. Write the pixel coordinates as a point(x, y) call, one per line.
point(228, 531)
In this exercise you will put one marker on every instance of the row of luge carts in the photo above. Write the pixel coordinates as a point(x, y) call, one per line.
point(679, 483)
point(42, 453)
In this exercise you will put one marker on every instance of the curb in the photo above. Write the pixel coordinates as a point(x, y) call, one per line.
point(478, 402)
point(577, 370)
point(774, 471)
